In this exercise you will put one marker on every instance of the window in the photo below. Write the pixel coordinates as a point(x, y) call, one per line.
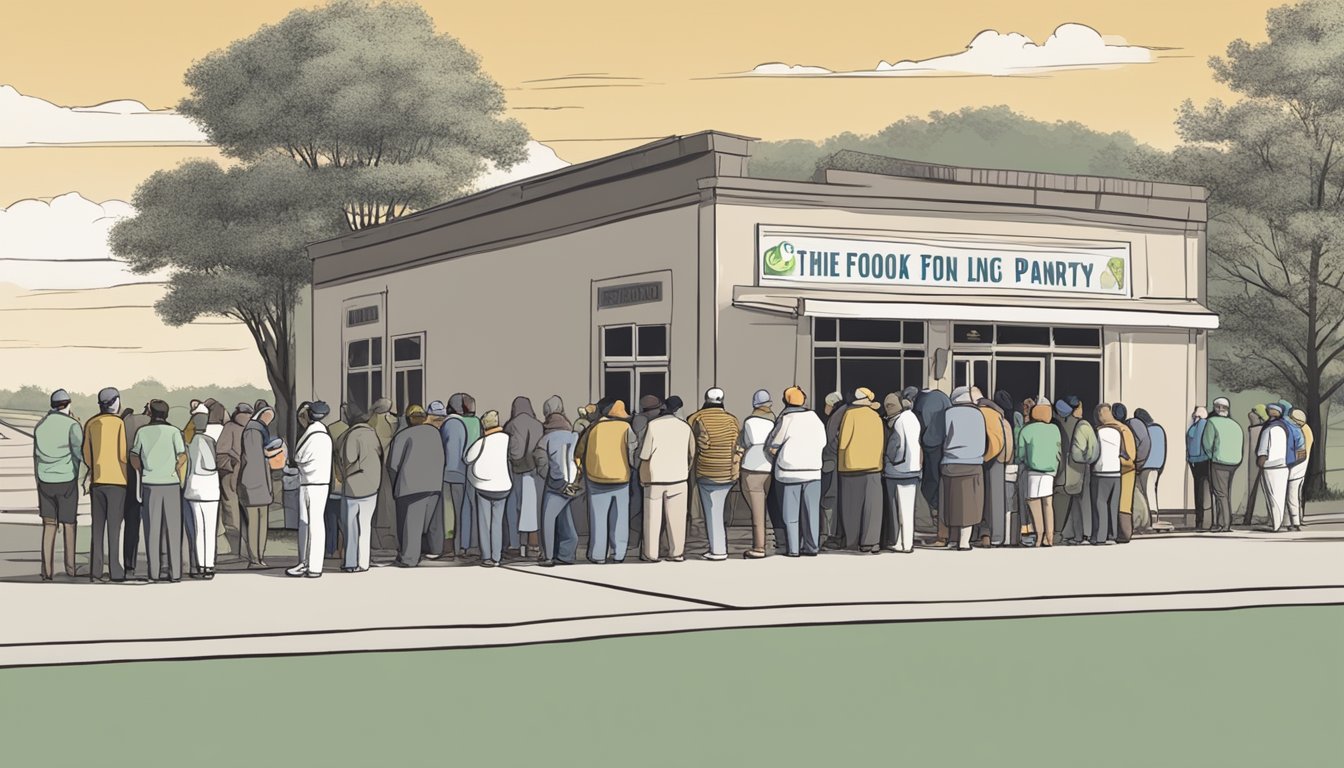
point(1028, 360)
point(635, 362)
point(408, 370)
point(364, 371)
point(883, 355)
point(1078, 337)
point(963, 333)
point(361, 316)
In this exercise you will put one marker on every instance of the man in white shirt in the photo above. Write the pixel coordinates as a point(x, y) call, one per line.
point(797, 445)
point(1271, 455)
point(902, 467)
point(665, 455)
point(755, 481)
point(1106, 471)
point(312, 457)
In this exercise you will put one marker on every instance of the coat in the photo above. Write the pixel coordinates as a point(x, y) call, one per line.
point(254, 480)
point(524, 433)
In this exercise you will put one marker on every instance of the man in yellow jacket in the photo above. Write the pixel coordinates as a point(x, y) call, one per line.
point(717, 463)
point(105, 454)
point(859, 466)
point(605, 453)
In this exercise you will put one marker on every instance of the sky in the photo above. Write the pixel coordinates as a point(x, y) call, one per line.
point(87, 88)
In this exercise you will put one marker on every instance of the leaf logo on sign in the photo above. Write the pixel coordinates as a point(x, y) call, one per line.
point(1114, 276)
point(780, 260)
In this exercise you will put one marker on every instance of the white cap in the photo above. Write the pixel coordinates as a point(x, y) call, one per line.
point(762, 397)
point(714, 395)
point(1223, 402)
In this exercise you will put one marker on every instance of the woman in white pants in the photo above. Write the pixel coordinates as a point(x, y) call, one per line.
point(202, 495)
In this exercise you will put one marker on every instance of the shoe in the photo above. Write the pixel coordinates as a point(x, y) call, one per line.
point(963, 549)
point(488, 564)
point(428, 556)
point(647, 559)
point(939, 543)
point(677, 559)
point(596, 562)
point(808, 554)
point(297, 570)
point(892, 548)
point(753, 554)
point(263, 564)
point(547, 563)
point(714, 557)
point(312, 575)
point(793, 554)
point(873, 550)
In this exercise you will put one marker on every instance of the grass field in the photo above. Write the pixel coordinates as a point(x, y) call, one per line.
point(1253, 687)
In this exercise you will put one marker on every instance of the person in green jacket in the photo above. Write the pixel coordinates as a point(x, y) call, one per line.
point(58, 450)
point(1223, 443)
point(1039, 447)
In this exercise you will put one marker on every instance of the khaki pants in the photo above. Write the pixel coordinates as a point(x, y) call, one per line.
point(49, 526)
point(755, 486)
point(230, 515)
point(258, 524)
point(665, 500)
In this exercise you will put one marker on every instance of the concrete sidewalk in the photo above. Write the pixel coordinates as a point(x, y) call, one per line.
point(447, 605)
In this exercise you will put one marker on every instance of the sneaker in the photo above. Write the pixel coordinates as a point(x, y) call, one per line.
point(296, 571)
point(714, 557)
point(312, 575)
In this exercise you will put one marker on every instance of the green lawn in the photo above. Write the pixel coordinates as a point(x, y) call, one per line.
point(1258, 687)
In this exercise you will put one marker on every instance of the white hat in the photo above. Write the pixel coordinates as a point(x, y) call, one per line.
point(714, 395)
point(762, 397)
point(1222, 402)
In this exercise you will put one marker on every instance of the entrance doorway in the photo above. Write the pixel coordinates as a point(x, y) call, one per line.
point(1021, 377)
point(1081, 377)
point(972, 371)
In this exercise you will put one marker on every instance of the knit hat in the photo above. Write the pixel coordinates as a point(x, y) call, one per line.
point(834, 399)
point(618, 411)
point(650, 403)
point(891, 404)
point(1274, 408)
point(1299, 418)
point(961, 395)
point(1041, 412)
point(1062, 408)
point(490, 420)
point(319, 410)
point(59, 398)
point(795, 396)
point(414, 410)
point(672, 404)
point(243, 408)
point(761, 397)
point(1222, 402)
point(714, 395)
point(1259, 411)
point(1286, 406)
point(381, 405)
point(108, 395)
point(437, 408)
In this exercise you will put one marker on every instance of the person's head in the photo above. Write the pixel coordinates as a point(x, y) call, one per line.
point(1257, 414)
point(158, 411)
point(127, 412)
point(437, 411)
point(1026, 405)
point(302, 416)
point(217, 414)
point(194, 405)
point(976, 394)
point(468, 405)
point(587, 411)
point(490, 420)
point(651, 406)
point(910, 393)
point(1104, 414)
point(1004, 401)
point(672, 405)
point(1076, 404)
point(1286, 407)
point(260, 404)
point(1200, 413)
point(617, 410)
point(242, 413)
point(1120, 412)
point(795, 397)
point(455, 403)
point(354, 412)
point(109, 400)
point(1222, 407)
point(1062, 409)
point(1042, 412)
point(832, 400)
point(60, 401)
point(1298, 417)
point(381, 407)
point(714, 397)
point(892, 406)
point(864, 398)
point(318, 410)
point(415, 415)
point(1143, 416)
point(553, 404)
point(761, 399)
point(266, 415)
point(961, 396)
point(1275, 410)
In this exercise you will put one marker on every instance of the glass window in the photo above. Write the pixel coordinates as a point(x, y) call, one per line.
point(618, 341)
point(616, 382)
point(912, 373)
point(406, 349)
point(357, 388)
point(652, 341)
point(823, 329)
point(377, 356)
point(914, 332)
point(653, 383)
point(963, 333)
point(358, 354)
point(375, 385)
point(860, 329)
point(862, 352)
point(1028, 335)
point(823, 381)
point(1077, 337)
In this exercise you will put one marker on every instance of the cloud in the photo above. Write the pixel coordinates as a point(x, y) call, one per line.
point(63, 244)
point(995, 54)
point(27, 121)
point(540, 159)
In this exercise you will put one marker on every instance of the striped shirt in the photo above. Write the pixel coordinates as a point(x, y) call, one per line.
point(716, 432)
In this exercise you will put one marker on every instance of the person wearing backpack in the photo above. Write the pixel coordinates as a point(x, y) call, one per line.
point(1271, 455)
point(1299, 450)
point(1080, 453)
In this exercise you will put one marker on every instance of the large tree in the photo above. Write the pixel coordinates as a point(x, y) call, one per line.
point(235, 243)
point(396, 116)
point(1274, 162)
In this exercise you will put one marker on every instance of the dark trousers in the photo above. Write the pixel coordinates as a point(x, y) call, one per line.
point(830, 490)
point(332, 523)
point(108, 508)
point(1106, 509)
point(413, 513)
point(774, 511)
point(559, 539)
point(163, 525)
point(1200, 471)
point(1221, 476)
point(861, 509)
point(933, 476)
point(433, 539)
point(131, 520)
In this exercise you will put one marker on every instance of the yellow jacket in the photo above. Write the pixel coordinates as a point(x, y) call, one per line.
point(105, 451)
point(604, 451)
point(861, 441)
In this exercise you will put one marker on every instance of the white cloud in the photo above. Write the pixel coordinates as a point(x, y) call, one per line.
point(540, 159)
point(1072, 46)
point(63, 244)
point(27, 121)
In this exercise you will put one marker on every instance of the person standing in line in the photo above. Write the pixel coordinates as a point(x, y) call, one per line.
point(1141, 516)
point(1079, 443)
point(1107, 474)
point(254, 485)
point(963, 477)
point(524, 505)
point(665, 456)
point(58, 450)
point(1039, 446)
point(333, 517)
point(134, 499)
point(359, 459)
point(585, 419)
point(312, 457)
point(798, 445)
point(1128, 474)
point(201, 491)
point(903, 463)
point(930, 407)
point(716, 466)
point(487, 461)
point(1153, 462)
point(160, 455)
point(650, 408)
point(384, 423)
point(459, 431)
point(755, 467)
point(1255, 423)
point(435, 543)
point(554, 459)
point(859, 464)
point(1223, 442)
point(229, 460)
point(1272, 458)
point(605, 453)
point(834, 408)
point(1200, 466)
point(415, 462)
point(1297, 473)
point(999, 450)
point(105, 455)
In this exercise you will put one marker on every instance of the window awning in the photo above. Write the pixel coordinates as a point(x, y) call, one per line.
point(1148, 313)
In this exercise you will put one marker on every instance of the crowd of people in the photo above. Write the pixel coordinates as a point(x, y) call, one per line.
point(439, 481)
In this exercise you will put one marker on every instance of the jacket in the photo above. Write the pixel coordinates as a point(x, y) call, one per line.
point(831, 453)
point(105, 449)
point(254, 480)
point(360, 459)
point(666, 453)
point(554, 457)
point(415, 461)
point(1274, 444)
point(755, 430)
point(1083, 453)
point(337, 430)
point(229, 446)
point(1109, 447)
point(454, 435)
point(202, 475)
point(606, 450)
point(1194, 443)
point(996, 444)
point(716, 432)
point(1223, 440)
point(58, 448)
point(964, 435)
point(930, 406)
point(1039, 447)
point(488, 463)
point(312, 455)
point(798, 442)
point(524, 433)
point(904, 459)
point(1157, 447)
point(1143, 442)
point(862, 441)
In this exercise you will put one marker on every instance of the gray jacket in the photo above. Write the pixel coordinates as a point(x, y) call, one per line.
point(524, 433)
point(965, 439)
point(254, 479)
point(554, 457)
point(360, 457)
point(415, 461)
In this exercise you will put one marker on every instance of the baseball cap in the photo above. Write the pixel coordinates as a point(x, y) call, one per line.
point(60, 397)
point(437, 408)
point(762, 397)
point(714, 395)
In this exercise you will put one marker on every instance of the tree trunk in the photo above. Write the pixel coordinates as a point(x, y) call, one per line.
point(1315, 484)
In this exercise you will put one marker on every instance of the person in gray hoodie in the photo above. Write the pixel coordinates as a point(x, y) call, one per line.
point(456, 434)
point(415, 461)
point(523, 509)
point(254, 485)
point(930, 407)
point(963, 478)
point(554, 459)
point(359, 459)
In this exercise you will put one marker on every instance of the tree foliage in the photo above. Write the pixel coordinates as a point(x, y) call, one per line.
point(396, 116)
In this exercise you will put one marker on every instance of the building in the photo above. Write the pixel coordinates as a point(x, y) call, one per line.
point(667, 269)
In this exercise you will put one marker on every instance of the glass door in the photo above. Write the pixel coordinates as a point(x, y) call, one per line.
point(972, 371)
point(1021, 377)
point(1079, 376)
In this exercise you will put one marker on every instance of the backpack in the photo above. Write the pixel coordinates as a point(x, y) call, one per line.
point(1297, 443)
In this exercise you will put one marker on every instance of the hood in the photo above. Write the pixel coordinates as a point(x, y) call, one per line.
point(1042, 413)
point(213, 431)
point(381, 405)
point(1004, 401)
point(552, 405)
point(556, 421)
point(455, 403)
point(891, 405)
point(522, 407)
point(241, 419)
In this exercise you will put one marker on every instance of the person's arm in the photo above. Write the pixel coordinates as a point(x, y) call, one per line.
point(895, 447)
point(646, 446)
point(1209, 439)
point(581, 447)
point(846, 435)
point(77, 445)
point(181, 448)
point(542, 458)
point(474, 451)
point(631, 447)
point(1021, 447)
point(134, 457)
point(772, 447)
point(87, 455)
point(517, 445)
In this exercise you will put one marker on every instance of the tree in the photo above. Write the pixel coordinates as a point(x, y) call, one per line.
point(992, 137)
point(1274, 163)
point(395, 116)
point(235, 242)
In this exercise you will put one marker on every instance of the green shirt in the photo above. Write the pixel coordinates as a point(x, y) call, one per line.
point(158, 446)
point(58, 445)
point(1038, 447)
point(1223, 440)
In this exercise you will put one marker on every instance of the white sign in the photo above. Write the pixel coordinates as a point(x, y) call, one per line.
point(1098, 268)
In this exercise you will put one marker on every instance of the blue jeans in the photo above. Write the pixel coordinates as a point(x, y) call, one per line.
point(559, 539)
point(608, 516)
point(490, 524)
point(802, 501)
point(713, 502)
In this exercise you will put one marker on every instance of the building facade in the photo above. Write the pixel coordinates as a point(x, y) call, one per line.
point(668, 270)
